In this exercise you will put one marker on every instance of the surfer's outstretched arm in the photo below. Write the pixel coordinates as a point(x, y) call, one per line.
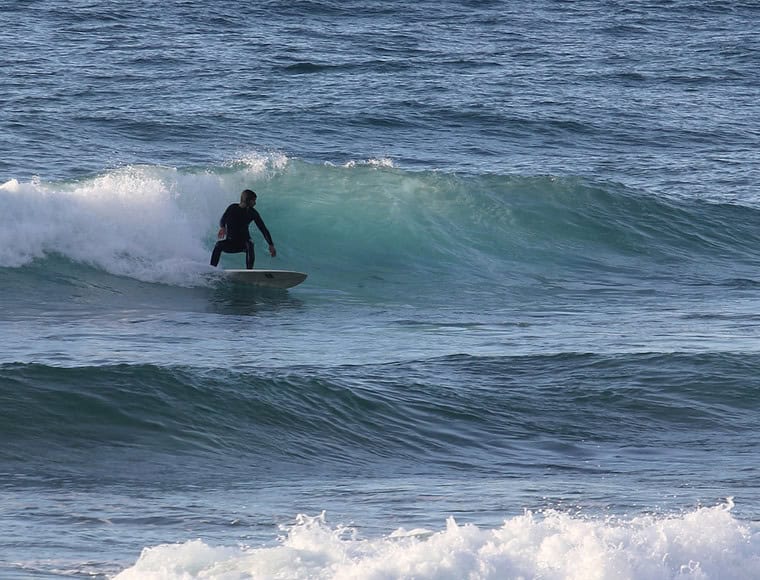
point(264, 232)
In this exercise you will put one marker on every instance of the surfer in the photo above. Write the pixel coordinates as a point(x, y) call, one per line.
point(234, 236)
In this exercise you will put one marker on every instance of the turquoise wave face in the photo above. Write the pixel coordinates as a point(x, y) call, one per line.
point(369, 225)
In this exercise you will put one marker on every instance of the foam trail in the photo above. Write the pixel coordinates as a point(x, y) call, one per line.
point(146, 222)
point(703, 544)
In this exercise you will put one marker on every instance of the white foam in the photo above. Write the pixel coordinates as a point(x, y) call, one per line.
point(383, 162)
point(146, 222)
point(258, 164)
point(706, 543)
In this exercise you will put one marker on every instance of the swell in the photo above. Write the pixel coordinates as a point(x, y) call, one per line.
point(471, 410)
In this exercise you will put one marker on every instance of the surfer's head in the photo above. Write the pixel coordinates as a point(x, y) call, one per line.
point(248, 198)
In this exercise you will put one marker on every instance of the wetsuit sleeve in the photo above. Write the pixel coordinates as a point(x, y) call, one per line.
point(225, 215)
point(262, 228)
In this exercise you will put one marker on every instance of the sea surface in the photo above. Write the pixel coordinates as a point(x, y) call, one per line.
point(529, 343)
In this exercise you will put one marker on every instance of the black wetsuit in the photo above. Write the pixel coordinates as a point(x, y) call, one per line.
point(236, 220)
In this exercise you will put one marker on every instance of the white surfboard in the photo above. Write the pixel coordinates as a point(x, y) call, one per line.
point(267, 278)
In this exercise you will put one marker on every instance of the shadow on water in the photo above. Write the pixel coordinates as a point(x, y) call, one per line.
point(231, 298)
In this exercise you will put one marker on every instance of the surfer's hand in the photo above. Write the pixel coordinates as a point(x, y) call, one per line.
point(222, 232)
point(272, 251)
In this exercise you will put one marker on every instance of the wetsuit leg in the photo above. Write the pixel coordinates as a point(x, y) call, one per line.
point(217, 253)
point(230, 247)
point(250, 257)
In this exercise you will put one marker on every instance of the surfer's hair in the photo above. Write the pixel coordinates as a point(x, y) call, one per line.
point(247, 195)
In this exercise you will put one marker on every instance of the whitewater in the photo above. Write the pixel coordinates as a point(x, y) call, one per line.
point(550, 545)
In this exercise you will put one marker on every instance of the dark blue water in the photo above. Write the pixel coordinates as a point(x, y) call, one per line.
point(528, 345)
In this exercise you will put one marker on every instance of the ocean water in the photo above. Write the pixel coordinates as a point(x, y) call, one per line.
point(529, 343)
